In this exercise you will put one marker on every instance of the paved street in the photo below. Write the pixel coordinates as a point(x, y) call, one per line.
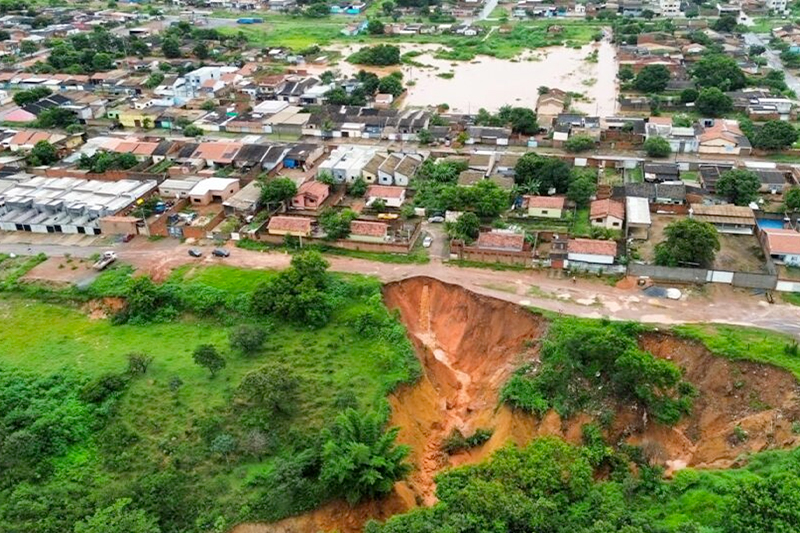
point(773, 59)
point(591, 298)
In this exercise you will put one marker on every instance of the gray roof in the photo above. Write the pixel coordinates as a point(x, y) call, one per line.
point(651, 191)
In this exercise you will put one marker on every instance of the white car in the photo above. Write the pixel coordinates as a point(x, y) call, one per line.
point(436, 219)
point(427, 241)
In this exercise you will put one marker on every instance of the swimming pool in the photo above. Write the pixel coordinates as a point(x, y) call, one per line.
point(770, 223)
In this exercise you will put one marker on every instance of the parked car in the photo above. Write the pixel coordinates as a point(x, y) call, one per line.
point(194, 252)
point(436, 219)
point(221, 252)
point(128, 238)
point(427, 241)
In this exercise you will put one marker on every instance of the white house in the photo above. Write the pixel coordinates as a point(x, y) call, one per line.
point(783, 245)
point(592, 251)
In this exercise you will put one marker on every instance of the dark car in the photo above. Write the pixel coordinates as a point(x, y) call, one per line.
point(194, 252)
point(221, 252)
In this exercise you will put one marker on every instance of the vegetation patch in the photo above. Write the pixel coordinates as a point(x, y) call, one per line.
point(585, 364)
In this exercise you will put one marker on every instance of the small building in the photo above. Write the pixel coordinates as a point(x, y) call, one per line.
point(289, 225)
point(245, 202)
point(311, 195)
point(391, 196)
point(369, 231)
point(722, 136)
point(592, 251)
point(608, 213)
point(215, 190)
point(727, 218)
point(782, 245)
point(660, 172)
point(544, 206)
point(637, 217)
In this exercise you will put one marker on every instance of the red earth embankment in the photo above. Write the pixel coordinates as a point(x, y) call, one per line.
point(470, 344)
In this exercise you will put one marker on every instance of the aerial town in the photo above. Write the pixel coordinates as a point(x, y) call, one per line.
point(416, 266)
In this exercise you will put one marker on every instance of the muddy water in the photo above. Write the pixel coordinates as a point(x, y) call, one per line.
point(491, 83)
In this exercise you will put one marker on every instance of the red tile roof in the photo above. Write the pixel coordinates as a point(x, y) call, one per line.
point(315, 189)
point(384, 191)
point(545, 202)
point(501, 241)
point(368, 228)
point(592, 247)
point(608, 207)
point(295, 224)
point(782, 241)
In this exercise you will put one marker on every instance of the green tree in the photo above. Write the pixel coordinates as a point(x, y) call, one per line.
point(626, 74)
point(171, 48)
point(102, 61)
point(247, 339)
point(791, 199)
point(56, 117)
point(206, 355)
point(336, 223)
point(42, 153)
point(118, 518)
point(726, 23)
point(550, 172)
point(466, 227)
point(738, 186)
point(581, 189)
point(768, 505)
point(689, 95)
point(277, 190)
point(378, 55)
point(719, 71)
point(424, 136)
point(274, 387)
point(375, 27)
point(391, 85)
point(200, 51)
point(657, 147)
point(713, 103)
point(154, 80)
point(579, 143)
point(652, 79)
point(775, 135)
point(688, 242)
point(24, 98)
point(359, 459)
point(297, 294)
point(521, 119)
point(192, 131)
point(27, 48)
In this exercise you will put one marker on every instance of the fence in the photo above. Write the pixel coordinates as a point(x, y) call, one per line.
point(747, 280)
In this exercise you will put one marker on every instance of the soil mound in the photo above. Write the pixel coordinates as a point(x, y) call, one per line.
point(470, 344)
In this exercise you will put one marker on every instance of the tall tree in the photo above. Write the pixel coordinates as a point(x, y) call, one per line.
point(652, 79)
point(118, 518)
point(688, 242)
point(206, 355)
point(738, 186)
point(775, 135)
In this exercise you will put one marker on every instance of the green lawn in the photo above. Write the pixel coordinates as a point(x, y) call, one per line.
point(581, 226)
point(743, 343)
point(230, 279)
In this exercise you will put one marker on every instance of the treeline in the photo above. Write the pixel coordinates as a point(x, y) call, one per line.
point(551, 486)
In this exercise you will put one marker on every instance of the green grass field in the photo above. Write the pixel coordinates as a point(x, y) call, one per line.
point(743, 343)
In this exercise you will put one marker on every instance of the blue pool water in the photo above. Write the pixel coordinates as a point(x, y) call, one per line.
point(769, 223)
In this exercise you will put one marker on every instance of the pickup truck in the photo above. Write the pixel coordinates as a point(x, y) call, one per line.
point(106, 259)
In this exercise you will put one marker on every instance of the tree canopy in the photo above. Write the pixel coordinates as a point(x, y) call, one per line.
point(738, 186)
point(713, 102)
point(719, 71)
point(466, 227)
point(118, 518)
point(652, 79)
point(378, 55)
point(277, 190)
point(775, 135)
point(688, 242)
point(657, 147)
point(549, 172)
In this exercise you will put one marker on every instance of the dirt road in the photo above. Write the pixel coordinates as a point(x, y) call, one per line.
point(591, 298)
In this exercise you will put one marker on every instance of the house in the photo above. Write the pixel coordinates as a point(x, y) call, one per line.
point(369, 231)
point(390, 196)
point(710, 174)
point(215, 190)
point(681, 139)
point(661, 172)
point(727, 218)
point(723, 136)
point(217, 153)
point(608, 213)
point(772, 181)
point(549, 105)
point(544, 206)
point(592, 251)
point(311, 195)
point(487, 135)
point(345, 163)
point(245, 202)
point(782, 245)
point(303, 155)
point(289, 225)
point(637, 217)
point(501, 240)
point(669, 193)
point(177, 188)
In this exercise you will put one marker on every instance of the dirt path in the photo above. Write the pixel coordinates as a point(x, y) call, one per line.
point(590, 298)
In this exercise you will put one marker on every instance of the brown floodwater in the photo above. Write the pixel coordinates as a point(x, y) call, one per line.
point(491, 83)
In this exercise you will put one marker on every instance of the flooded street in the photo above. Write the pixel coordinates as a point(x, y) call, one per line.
point(487, 82)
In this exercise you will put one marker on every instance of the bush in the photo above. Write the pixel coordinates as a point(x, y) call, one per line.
point(657, 147)
point(378, 55)
point(247, 339)
point(579, 143)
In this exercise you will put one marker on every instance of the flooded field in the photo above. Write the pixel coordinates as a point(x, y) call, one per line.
point(491, 83)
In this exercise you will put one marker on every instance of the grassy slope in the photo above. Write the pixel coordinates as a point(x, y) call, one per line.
point(743, 343)
point(44, 338)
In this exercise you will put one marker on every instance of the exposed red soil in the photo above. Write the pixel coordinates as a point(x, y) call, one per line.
point(104, 307)
point(469, 345)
